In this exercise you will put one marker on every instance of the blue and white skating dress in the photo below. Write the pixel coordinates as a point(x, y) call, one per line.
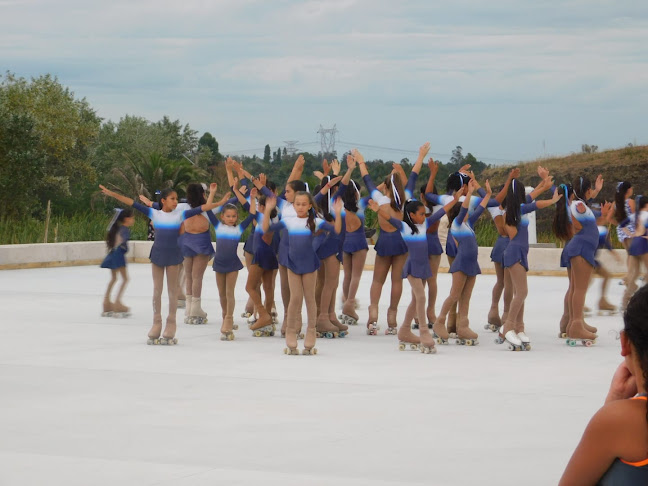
point(639, 244)
point(301, 257)
point(166, 250)
point(355, 241)
point(286, 211)
point(417, 264)
point(626, 224)
point(467, 250)
point(517, 250)
point(116, 258)
point(226, 259)
point(390, 243)
point(331, 243)
point(585, 242)
point(264, 254)
point(432, 234)
point(497, 254)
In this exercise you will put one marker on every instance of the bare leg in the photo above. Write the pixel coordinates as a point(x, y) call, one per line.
point(182, 298)
point(197, 273)
point(228, 321)
point(398, 262)
point(255, 275)
point(566, 317)
point(355, 263)
point(405, 334)
point(331, 286)
point(634, 268)
point(347, 262)
point(463, 330)
point(508, 296)
point(221, 284)
point(381, 269)
point(518, 277)
point(452, 316)
point(107, 304)
point(268, 289)
point(581, 273)
point(494, 320)
point(321, 276)
point(327, 283)
point(249, 305)
point(458, 283)
point(308, 285)
point(435, 261)
point(119, 305)
point(158, 285)
point(294, 308)
point(418, 299)
point(172, 273)
point(285, 294)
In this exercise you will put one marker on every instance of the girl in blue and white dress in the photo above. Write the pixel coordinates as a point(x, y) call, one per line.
point(514, 259)
point(302, 263)
point(577, 219)
point(117, 241)
point(464, 267)
point(638, 250)
point(226, 261)
point(417, 270)
point(166, 255)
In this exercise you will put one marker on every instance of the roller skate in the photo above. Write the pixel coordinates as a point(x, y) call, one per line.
point(372, 323)
point(107, 309)
point(226, 329)
point(465, 335)
point(439, 332)
point(343, 329)
point(493, 321)
point(564, 321)
point(576, 332)
point(605, 308)
point(252, 318)
point(510, 337)
point(291, 341)
point(120, 310)
point(309, 341)
point(526, 342)
point(187, 308)
point(197, 315)
point(156, 330)
point(392, 325)
point(589, 328)
point(324, 328)
point(407, 339)
point(349, 315)
point(263, 327)
point(168, 338)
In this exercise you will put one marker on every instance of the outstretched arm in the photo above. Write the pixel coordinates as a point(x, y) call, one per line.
point(123, 199)
point(298, 170)
point(512, 175)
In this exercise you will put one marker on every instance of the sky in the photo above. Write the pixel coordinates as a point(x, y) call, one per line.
point(507, 80)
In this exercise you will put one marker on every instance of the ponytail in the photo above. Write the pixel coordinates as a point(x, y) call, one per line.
point(580, 187)
point(396, 192)
point(619, 201)
point(562, 224)
point(515, 197)
point(411, 206)
point(115, 225)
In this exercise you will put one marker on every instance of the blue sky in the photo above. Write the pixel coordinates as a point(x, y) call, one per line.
point(507, 80)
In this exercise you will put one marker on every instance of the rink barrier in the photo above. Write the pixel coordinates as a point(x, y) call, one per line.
point(542, 261)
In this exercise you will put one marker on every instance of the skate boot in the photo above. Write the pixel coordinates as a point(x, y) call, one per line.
point(576, 332)
point(407, 339)
point(349, 315)
point(452, 322)
point(226, 329)
point(392, 325)
point(168, 338)
point(564, 321)
point(107, 309)
point(309, 341)
point(605, 308)
point(291, 339)
point(263, 326)
point(494, 321)
point(197, 316)
point(426, 342)
point(372, 323)
point(526, 342)
point(508, 335)
point(120, 310)
point(343, 329)
point(439, 331)
point(465, 335)
point(324, 328)
point(589, 328)
point(187, 308)
point(156, 330)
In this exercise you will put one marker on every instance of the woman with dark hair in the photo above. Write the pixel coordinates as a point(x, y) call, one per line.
point(117, 242)
point(613, 448)
point(576, 223)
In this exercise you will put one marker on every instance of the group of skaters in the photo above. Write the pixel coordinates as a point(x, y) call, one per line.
point(305, 236)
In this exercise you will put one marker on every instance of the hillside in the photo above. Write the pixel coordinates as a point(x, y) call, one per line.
point(630, 163)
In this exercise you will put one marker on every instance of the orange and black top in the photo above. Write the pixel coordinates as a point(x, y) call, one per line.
point(623, 472)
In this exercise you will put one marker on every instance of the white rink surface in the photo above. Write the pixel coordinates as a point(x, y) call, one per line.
point(85, 401)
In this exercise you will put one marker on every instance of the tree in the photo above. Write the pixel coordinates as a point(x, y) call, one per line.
point(589, 149)
point(266, 154)
point(277, 156)
point(207, 140)
point(62, 127)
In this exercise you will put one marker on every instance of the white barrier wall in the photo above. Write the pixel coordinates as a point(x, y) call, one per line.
point(541, 260)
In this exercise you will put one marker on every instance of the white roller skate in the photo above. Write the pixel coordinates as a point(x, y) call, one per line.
point(526, 342)
point(197, 316)
point(514, 342)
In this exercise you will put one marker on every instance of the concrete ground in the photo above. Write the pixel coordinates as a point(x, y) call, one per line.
point(84, 400)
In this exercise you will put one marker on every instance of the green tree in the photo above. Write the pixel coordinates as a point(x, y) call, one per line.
point(208, 141)
point(266, 154)
point(64, 129)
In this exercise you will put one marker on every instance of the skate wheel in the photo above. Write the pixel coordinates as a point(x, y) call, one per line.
point(527, 347)
point(257, 333)
point(401, 347)
point(588, 343)
point(272, 333)
point(414, 347)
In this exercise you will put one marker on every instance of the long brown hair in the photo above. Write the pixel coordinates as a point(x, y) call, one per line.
point(313, 210)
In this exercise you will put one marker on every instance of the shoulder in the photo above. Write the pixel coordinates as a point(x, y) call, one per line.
point(618, 423)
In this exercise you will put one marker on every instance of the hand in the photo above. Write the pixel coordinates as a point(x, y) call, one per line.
point(212, 187)
point(335, 167)
point(358, 156)
point(542, 172)
point(243, 190)
point(488, 187)
point(464, 169)
point(299, 163)
point(254, 192)
point(326, 168)
point(397, 168)
point(334, 181)
point(373, 205)
point(623, 384)
point(556, 197)
point(606, 208)
point(472, 185)
point(318, 174)
point(598, 185)
point(434, 166)
point(423, 150)
point(514, 174)
point(145, 200)
point(105, 190)
point(337, 206)
point(547, 182)
point(229, 163)
point(351, 162)
point(271, 203)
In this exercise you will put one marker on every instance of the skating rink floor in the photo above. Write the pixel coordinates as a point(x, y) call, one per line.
point(85, 401)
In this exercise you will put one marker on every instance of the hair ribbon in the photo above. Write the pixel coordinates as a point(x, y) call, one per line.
point(395, 192)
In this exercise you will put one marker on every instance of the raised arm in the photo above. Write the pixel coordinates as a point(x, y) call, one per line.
point(123, 199)
point(241, 198)
point(512, 175)
point(297, 170)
